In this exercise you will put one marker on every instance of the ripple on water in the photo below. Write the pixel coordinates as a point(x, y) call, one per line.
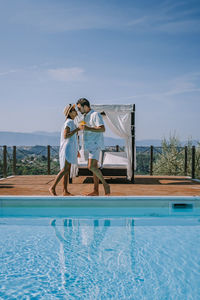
point(100, 262)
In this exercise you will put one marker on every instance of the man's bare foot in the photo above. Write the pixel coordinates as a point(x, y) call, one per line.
point(94, 193)
point(65, 193)
point(107, 189)
point(52, 191)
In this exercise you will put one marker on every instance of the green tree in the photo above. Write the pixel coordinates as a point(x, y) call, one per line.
point(172, 159)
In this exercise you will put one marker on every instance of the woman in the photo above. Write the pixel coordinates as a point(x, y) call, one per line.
point(68, 149)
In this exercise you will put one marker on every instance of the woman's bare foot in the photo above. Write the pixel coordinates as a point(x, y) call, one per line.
point(52, 191)
point(53, 222)
point(107, 189)
point(66, 193)
point(94, 193)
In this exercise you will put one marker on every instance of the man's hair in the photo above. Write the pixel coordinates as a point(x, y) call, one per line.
point(83, 101)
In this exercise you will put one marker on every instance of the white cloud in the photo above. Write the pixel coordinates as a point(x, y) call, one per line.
point(42, 73)
point(8, 72)
point(169, 17)
point(66, 74)
point(28, 69)
point(62, 17)
point(181, 26)
point(187, 83)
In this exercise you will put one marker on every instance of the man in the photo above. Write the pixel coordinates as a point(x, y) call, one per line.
point(93, 143)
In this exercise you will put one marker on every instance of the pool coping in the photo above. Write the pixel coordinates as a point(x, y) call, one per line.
point(99, 198)
point(45, 206)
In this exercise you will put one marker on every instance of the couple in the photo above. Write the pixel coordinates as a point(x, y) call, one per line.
point(93, 127)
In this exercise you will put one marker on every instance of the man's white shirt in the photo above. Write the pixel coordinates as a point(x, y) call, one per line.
point(93, 139)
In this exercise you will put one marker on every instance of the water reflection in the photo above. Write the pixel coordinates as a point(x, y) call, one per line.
point(97, 257)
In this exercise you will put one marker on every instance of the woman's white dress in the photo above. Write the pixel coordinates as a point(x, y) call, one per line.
point(68, 147)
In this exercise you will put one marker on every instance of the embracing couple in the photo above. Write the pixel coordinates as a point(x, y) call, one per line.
point(93, 127)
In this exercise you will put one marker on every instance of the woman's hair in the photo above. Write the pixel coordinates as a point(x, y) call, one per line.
point(83, 101)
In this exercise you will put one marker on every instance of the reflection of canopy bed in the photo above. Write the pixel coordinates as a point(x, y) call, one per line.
point(121, 120)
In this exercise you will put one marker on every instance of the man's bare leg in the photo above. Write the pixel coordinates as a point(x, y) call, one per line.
point(93, 166)
point(96, 183)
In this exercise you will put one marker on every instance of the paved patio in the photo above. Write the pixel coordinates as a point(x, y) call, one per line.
point(144, 186)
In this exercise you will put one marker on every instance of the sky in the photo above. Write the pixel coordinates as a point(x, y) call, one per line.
point(147, 53)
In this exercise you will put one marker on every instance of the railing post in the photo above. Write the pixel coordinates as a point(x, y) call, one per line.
point(193, 162)
point(151, 160)
point(48, 159)
point(133, 143)
point(4, 161)
point(186, 157)
point(117, 148)
point(14, 160)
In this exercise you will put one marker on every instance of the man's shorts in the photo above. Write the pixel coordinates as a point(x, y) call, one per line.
point(92, 154)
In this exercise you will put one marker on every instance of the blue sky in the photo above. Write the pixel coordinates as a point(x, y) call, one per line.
point(53, 52)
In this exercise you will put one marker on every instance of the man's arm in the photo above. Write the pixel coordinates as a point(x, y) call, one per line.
point(95, 129)
point(99, 124)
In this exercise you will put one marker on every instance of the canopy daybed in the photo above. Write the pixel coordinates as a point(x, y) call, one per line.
point(121, 120)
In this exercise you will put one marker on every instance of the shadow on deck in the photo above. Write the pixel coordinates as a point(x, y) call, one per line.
point(172, 180)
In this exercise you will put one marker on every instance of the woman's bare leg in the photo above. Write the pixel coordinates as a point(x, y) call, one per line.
point(65, 184)
point(59, 176)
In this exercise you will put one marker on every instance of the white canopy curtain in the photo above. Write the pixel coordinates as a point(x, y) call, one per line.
point(118, 119)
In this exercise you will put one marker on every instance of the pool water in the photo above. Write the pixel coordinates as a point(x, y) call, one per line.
point(99, 256)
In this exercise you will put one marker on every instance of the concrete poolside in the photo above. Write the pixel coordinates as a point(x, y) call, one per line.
point(38, 185)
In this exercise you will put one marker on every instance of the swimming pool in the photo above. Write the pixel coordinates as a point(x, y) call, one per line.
point(99, 248)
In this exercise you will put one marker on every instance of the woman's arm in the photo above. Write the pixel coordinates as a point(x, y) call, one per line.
point(68, 133)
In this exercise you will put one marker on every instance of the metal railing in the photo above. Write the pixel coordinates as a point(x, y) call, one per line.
point(182, 161)
point(42, 160)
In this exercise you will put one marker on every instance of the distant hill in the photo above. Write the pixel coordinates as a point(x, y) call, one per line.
point(42, 138)
point(146, 143)
point(53, 138)
point(28, 139)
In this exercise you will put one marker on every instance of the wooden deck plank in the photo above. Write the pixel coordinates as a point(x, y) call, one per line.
point(144, 186)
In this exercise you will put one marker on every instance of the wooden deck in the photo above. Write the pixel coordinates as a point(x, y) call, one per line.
point(38, 185)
